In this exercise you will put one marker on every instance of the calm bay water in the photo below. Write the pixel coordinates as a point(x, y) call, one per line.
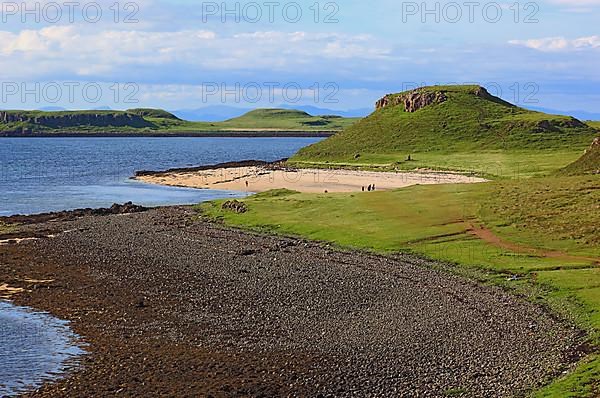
point(50, 174)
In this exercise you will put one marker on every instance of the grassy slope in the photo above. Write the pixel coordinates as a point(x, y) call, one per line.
point(548, 214)
point(595, 124)
point(589, 163)
point(473, 127)
point(164, 122)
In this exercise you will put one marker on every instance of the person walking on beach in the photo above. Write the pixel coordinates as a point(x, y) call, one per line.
point(246, 184)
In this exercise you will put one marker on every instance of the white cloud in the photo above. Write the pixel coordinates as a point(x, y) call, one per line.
point(553, 44)
point(576, 3)
point(71, 50)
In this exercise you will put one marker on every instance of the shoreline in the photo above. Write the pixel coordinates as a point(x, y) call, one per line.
point(199, 134)
point(158, 319)
point(258, 176)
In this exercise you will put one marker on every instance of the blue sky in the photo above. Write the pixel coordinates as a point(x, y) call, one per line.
point(191, 54)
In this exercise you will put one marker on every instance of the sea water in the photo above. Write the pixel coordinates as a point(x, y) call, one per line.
point(52, 174)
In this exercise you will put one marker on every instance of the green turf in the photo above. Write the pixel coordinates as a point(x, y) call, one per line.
point(157, 121)
point(458, 133)
point(539, 215)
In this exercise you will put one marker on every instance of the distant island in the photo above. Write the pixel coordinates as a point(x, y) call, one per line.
point(157, 122)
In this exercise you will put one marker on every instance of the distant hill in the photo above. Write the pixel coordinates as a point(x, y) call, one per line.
point(286, 119)
point(579, 114)
point(213, 113)
point(589, 163)
point(219, 113)
point(316, 111)
point(157, 121)
point(447, 119)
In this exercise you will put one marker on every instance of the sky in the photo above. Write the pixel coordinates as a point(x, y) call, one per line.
point(338, 55)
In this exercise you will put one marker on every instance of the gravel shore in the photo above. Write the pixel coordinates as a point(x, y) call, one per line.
point(175, 307)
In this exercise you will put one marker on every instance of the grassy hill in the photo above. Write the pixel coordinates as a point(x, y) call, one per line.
point(589, 163)
point(157, 121)
point(450, 127)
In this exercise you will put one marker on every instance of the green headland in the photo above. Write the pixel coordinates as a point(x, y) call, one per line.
point(454, 128)
point(532, 229)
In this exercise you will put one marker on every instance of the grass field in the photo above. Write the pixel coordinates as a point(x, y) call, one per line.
point(538, 236)
point(512, 164)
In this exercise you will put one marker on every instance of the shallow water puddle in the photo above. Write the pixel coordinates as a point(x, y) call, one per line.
point(15, 241)
point(35, 347)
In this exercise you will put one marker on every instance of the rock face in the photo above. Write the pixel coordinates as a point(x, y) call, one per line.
point(412, 100)
point(63, 120)
point(420, 98)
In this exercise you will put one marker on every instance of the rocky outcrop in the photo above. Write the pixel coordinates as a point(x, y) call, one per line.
point(589, 163)
point(75, 119)
point(557, 125)
point(420, 98)
point(235, 206)
point(126, 208)
point(412, 100)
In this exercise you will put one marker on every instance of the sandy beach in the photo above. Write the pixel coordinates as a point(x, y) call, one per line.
point(261, 178)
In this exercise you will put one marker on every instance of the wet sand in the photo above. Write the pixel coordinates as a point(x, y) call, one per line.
point(173, 306)
point(260, 178)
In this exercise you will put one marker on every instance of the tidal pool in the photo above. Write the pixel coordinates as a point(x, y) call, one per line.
point(35, 347)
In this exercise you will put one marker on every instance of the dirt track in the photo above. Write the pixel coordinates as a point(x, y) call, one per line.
point(174, 307)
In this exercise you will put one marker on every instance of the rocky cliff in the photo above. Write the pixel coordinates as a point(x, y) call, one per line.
point(420, 98)
point(412, 101)
point(74, 119)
